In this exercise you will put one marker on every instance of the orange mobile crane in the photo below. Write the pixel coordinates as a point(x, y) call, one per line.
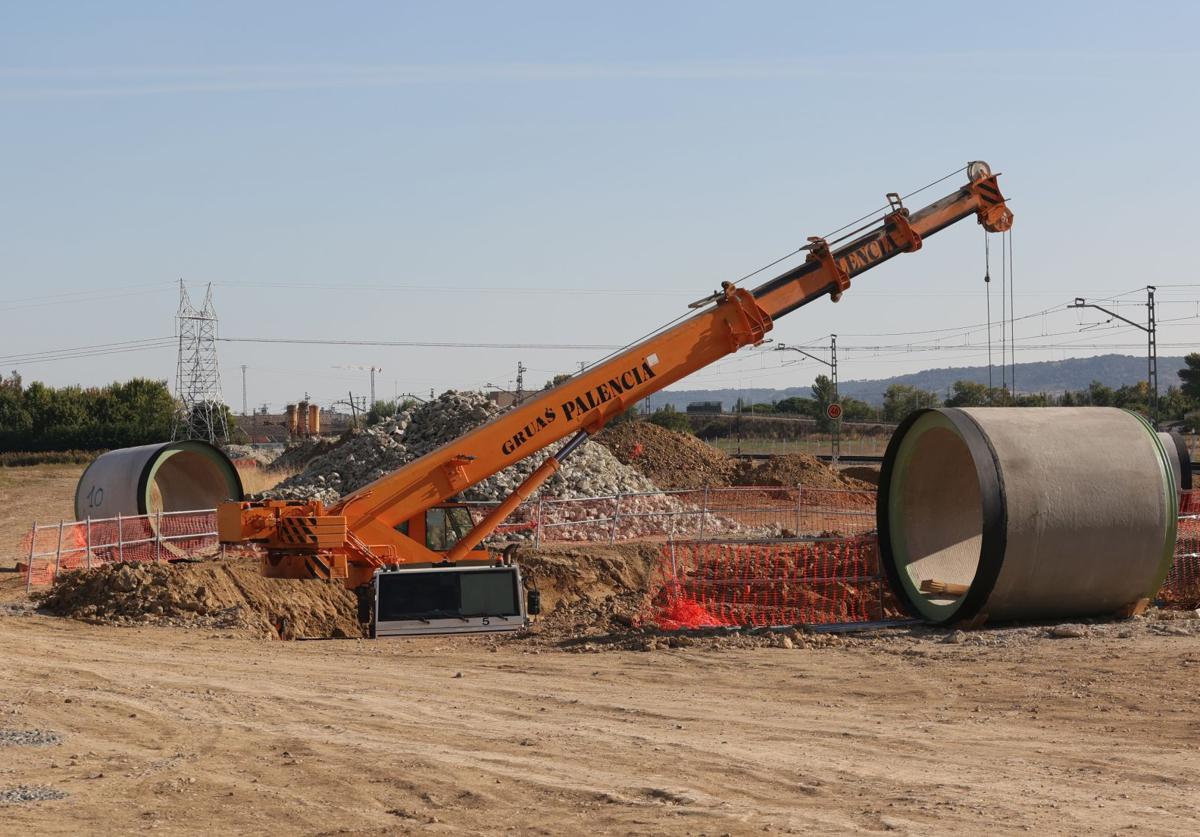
point(418, 556)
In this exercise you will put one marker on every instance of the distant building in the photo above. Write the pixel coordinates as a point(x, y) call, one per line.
point(501, 398)
point(705, 407)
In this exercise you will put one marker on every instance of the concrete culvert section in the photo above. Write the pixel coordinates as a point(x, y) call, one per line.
point(1181, 462)
point(173, 476)
point(1025, 513)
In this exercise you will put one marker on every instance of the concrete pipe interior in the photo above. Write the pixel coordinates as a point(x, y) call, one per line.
point(169, 477)
point(190, 478)
point(1026, 513)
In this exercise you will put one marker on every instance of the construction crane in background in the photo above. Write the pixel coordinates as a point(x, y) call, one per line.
point(415, 556)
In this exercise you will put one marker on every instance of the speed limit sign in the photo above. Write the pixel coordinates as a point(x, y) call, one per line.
point(834, 411)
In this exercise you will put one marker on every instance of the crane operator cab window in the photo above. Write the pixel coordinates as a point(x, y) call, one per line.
point(444, 526)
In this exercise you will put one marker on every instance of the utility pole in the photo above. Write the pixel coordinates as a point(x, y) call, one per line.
point(244, 402)
point(521, 370)
point(1151, 329)
point(834, 408)
point(1152, 355)
point(373, 370)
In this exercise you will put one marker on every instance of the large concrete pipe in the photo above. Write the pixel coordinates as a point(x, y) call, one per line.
point(174, 476)
point(1181, 461)
point(1025, 513)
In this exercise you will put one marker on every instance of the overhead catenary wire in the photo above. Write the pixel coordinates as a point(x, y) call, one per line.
point(88, 351)
point(431, 344)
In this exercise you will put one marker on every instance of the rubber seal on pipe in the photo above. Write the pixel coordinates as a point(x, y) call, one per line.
point(993, 515)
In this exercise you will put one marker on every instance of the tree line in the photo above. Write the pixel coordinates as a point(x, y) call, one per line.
point(1176, 404)
point(41, 418)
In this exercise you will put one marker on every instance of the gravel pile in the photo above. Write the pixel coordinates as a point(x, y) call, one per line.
point(28, 738)
point(262, 455)
point(367, 455)
point(21, 794)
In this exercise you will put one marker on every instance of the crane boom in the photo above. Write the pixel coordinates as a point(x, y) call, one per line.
point(363, 531)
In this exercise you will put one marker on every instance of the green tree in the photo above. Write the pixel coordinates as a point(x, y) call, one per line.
point(798, 406)
point(380, 411)
point(1098, 395)
point(1190, 377)
point(671, 419)
point(855, 410)
point(39, 418)
point(900, 399)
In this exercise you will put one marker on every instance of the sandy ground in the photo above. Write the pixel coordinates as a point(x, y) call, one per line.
point(180, 731)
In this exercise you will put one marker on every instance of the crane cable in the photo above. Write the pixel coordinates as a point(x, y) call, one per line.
point(1012, 317)
point(987, 291)
point(870, 215)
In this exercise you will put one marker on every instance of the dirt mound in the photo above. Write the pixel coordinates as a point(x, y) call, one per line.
point(585, 590)
point(227, 594)
point(589, 590)
point(796, 469)
point(668, 458)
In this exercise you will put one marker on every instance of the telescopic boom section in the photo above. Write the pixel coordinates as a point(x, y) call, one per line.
point(733, 317)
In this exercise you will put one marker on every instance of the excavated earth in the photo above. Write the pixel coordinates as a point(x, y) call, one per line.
point(227, 594)
point(796, 469)
point(585, 590)
point(667, 458)
point(680, 460)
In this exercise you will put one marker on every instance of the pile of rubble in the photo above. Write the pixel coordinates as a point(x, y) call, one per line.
point(626, 517)
point(367, 455)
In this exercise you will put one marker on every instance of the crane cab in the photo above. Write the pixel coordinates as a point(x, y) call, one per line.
point(441, 527)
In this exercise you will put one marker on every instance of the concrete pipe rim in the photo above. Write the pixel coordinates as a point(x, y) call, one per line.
point(207, 452)
point(984, 513)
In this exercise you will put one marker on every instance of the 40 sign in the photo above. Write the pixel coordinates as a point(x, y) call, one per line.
point(834, 411)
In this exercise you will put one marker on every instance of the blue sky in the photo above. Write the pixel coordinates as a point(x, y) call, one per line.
point(573, 173)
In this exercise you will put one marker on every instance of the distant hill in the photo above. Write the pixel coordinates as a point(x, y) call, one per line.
point(1052, 377)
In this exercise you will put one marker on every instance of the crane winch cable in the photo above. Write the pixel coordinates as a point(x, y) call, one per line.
point(771, 264)
point(1012, 313)
point(987, 290)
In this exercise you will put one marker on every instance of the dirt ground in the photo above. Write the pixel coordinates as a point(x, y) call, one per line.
point(189, 731)
point(45, 493)
point(208, 729)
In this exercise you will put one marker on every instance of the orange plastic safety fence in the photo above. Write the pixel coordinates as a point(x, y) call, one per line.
point(784, 583)
point(49, 550)
point(1181, 587)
